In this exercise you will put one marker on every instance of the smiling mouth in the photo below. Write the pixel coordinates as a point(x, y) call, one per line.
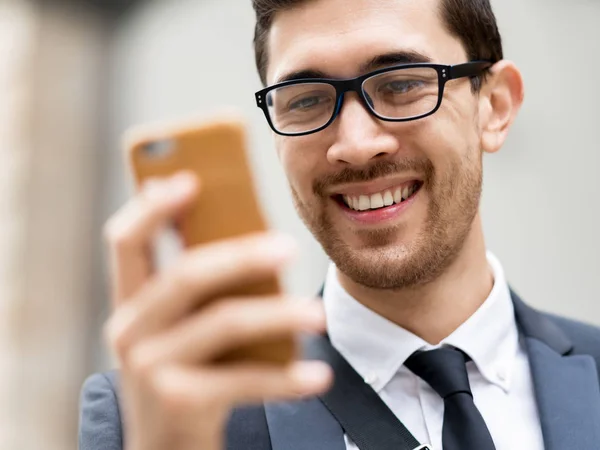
point(380, 200)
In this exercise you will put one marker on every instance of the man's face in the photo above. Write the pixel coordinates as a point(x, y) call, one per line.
point(360, 159)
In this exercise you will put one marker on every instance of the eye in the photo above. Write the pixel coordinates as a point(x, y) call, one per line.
point(402, 86)
point(305, 102)
point(308, 101)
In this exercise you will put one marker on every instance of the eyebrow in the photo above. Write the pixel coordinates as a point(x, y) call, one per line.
point(377, 62)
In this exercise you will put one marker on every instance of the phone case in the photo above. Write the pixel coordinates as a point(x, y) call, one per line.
point(227, 205)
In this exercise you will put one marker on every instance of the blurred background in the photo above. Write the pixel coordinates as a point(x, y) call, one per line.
point(75, 74)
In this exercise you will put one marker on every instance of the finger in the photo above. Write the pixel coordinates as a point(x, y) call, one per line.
point(234, 385)
point(226, 326)
point(197, 278)
point(130, 232)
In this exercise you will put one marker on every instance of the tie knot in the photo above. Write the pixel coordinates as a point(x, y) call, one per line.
point(443, 369)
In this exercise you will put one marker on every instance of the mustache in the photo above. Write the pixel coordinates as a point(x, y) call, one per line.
point(376, 170)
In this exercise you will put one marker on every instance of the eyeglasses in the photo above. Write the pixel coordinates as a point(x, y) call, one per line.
point(394, 94)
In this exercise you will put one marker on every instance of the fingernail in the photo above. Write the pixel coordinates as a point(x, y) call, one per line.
point(155, 189)
point(119, 323)
point(316, 314)
point(311, 376)
point(312, 313)
point(281, 247)
point(181, 184)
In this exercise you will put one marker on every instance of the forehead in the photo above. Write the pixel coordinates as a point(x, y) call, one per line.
point(337, 36)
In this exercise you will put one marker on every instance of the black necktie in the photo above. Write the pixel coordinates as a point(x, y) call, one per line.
point(445, 371)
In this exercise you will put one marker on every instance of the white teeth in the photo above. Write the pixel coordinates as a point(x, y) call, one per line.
point(376, 201)
point(388, 198)
point(364, 203)
point(405, 193)
point(379, 200)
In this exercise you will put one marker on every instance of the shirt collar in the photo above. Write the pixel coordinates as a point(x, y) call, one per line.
point(377, 348)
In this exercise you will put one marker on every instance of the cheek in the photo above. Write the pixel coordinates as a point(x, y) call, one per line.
point(434, 139)
point(449, 135)
point(459, 116)
point(300, 162)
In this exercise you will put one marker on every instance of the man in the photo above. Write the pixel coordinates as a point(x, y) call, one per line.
point(382, 111)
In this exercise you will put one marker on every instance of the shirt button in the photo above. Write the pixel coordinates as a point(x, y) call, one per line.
point(371, 378)
point(502, 375)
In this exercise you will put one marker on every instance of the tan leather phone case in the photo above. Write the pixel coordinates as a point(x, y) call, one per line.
point(227, 206)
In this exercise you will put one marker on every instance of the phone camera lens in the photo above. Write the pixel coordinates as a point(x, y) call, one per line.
point(158, 149)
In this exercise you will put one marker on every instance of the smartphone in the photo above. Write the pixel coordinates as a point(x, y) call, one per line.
point(215, 150)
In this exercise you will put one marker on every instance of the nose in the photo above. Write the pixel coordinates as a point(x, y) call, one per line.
point(360, 136)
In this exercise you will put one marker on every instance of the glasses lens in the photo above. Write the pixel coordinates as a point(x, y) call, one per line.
point(301, 108)
point(403, 93)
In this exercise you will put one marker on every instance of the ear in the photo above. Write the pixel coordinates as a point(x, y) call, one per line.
point(500, 100)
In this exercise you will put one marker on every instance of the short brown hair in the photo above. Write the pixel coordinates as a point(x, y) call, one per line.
point(472, 21)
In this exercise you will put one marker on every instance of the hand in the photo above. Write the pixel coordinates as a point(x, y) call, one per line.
point(167, 330)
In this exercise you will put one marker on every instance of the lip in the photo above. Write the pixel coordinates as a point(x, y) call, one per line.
point(373, 187)
point(378, 216)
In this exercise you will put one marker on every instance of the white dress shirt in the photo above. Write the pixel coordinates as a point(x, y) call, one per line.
point(499, 371)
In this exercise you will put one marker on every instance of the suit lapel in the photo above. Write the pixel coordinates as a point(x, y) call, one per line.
point(348, 405)
point(566, 386)
point(303, 425)
point(306, 424)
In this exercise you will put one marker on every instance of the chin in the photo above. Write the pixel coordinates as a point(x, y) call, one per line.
point(379, 259)
point(388, 268)
point(394, 258)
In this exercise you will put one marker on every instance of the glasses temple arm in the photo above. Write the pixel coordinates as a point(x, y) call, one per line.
point(469, 69)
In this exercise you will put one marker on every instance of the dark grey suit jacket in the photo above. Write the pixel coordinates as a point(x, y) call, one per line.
point(564, 356)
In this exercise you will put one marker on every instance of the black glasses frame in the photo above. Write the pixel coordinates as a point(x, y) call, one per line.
point(445, 74)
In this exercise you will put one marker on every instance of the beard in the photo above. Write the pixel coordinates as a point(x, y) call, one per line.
point(383, 261)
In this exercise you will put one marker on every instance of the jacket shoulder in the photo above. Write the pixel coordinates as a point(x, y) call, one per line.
point(100, 424)
point(585, 337)
point(99, 414)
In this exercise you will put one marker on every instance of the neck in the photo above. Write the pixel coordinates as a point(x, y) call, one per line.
point(435, 310)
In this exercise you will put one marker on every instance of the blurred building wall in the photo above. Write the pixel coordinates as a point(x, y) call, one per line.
point(51, 74)
point(17, 22)
point(540, 204)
